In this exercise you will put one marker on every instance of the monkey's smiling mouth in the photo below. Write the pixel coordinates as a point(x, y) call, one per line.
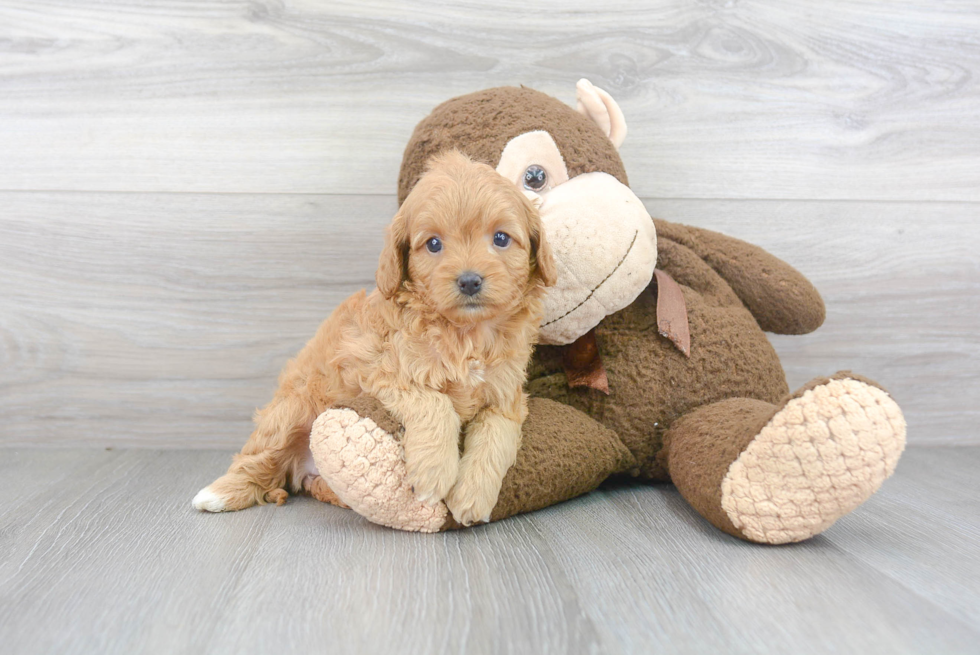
point(601, 282)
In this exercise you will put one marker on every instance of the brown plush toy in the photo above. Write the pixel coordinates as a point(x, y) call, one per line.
point(656, 375)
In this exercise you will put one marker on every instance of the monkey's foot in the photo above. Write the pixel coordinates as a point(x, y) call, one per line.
point(363, 463)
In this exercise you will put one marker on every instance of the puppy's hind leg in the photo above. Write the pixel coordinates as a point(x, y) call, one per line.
point(272, 460)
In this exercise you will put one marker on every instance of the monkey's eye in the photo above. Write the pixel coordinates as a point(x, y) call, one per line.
point(535, 178)
point(433, 245)
point(501, 239)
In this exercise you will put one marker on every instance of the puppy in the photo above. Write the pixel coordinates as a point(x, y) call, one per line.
point(443, 344)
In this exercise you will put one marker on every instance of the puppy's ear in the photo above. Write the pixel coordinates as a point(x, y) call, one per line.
point(393, 265)
point(542, 261)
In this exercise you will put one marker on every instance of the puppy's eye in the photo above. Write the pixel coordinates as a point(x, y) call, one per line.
point(535, 178)
point(501, 239)
point(433, 245)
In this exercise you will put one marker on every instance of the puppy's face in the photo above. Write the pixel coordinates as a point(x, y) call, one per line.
point(469, 244)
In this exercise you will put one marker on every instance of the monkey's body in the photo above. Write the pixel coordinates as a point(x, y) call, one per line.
point(651, 383)
point(715, 419)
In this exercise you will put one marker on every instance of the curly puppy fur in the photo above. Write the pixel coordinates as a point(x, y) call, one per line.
point(440, 357)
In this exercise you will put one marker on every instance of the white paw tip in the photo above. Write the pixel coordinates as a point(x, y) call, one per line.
point(208, 501)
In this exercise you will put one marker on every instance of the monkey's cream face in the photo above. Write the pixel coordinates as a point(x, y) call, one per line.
point(603, 240)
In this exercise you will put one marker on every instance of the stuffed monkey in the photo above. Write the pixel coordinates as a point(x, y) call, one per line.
point(653, 363)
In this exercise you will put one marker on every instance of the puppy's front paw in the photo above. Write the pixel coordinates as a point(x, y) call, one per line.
point(472, 500)
point(432, 478)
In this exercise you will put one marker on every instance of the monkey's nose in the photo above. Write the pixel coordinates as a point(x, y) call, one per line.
point(469, 283)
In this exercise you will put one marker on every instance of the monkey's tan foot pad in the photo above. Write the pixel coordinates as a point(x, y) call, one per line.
point(820, 456)
point(364, 465)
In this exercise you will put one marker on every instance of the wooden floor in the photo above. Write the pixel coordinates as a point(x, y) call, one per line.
point(100, 552)
point(188, 188)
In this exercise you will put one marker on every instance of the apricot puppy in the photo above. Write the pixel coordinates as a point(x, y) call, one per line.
point(443, 344)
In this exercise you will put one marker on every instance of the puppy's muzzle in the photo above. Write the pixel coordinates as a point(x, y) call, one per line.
point(469, 283)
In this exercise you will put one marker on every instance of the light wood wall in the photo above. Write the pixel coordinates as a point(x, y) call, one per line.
point(188, 188)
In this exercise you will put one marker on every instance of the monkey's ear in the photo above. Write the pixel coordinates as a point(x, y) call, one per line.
point(542, 260)
point(393, 264)
point(598, 106)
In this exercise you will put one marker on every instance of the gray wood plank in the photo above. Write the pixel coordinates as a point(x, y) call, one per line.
point(713, 593)
point(746, 100)
point(31, 481)
point(112, 559)
point(493, 591)
point(649, 555)
point(162, 320)
point(166, 317)
point(899, 533)
point(123, 564)
point(109, 563)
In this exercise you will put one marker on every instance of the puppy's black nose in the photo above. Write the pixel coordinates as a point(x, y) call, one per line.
point(469, 283)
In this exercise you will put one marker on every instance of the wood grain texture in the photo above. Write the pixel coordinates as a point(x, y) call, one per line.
point(166, 317)
point(821, 596)
point(725, 99)
point(188, 188)
point(107, 556)
point(162, 320)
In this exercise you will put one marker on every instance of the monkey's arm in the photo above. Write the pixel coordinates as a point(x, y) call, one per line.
point(779, 297)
